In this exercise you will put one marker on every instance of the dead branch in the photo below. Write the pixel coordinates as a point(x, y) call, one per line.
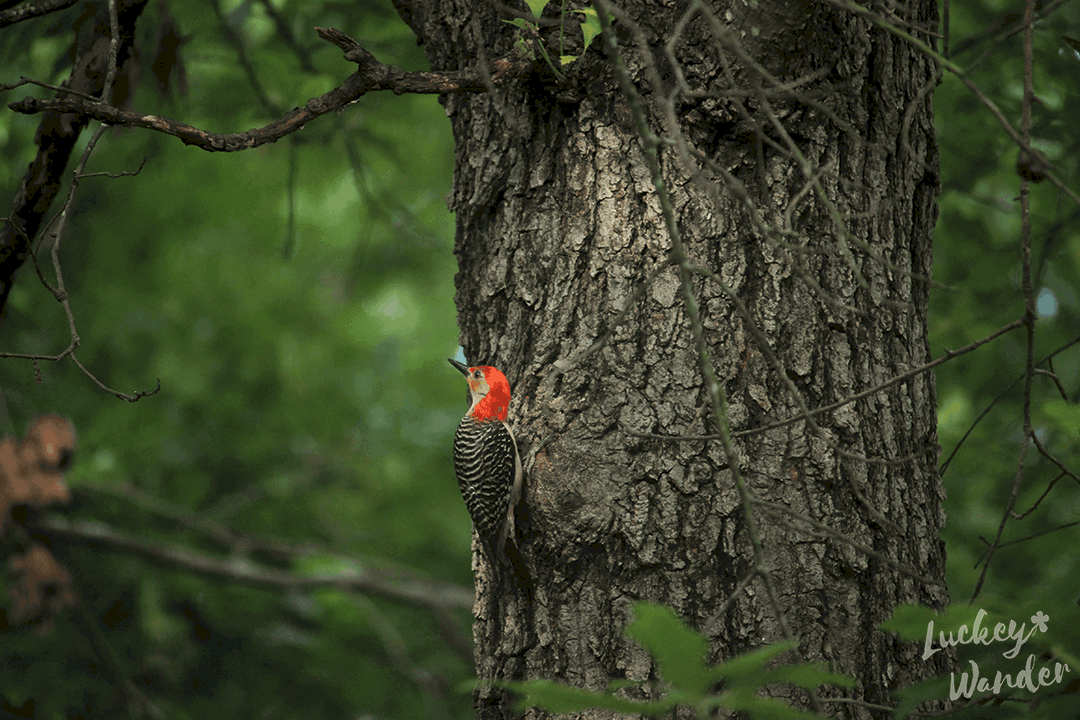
point(371, 75)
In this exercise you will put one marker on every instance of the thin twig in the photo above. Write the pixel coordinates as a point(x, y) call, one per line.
point(949, 355)
point(1029, 297)
point(56, 88)
point(823, 529)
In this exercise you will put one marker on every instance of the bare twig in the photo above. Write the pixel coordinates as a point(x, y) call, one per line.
point(56, 88)
point(57, 136)
point(1024, 539)
point(122, 173)
point(371, 75)
point(59, 292)
point(1029, 297)
point(986, 411)
point(949, 355)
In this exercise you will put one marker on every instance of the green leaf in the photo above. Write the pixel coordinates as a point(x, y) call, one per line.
point(536, 7)
point(518, 22)
point(911, 697)
point(911, 622)
point(590, 28)
point(807, 676)
point(679, 650)
point(567, 59)
point(750, 664)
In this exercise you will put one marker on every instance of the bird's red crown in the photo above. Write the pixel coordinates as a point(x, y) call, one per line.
point(496, 404)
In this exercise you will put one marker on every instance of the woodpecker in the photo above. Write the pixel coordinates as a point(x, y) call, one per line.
point(488, 466)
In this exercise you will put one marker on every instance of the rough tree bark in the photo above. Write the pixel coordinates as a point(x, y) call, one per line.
point(559, 225)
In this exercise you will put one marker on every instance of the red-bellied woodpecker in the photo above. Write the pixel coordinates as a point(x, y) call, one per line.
point(487, 464)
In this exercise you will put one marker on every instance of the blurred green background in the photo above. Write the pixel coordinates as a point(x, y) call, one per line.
point(296, 302)
point(977, 254)
point(305, 390)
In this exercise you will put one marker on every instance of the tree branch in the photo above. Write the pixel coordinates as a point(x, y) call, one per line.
point(412, 590)
point(29, 10)
point(371, 75)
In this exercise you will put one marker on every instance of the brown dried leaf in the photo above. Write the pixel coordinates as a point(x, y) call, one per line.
point(31, 471)
point(15, 488)
point(42, 587)
point(55, 438)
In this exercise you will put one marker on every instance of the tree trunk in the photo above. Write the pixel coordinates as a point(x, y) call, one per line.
point(56, 138)
point(560, 229)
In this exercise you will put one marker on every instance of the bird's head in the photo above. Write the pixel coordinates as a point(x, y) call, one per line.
point(489, 391)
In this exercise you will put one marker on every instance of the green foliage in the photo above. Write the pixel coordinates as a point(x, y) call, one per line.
point(679, 653)
point(536, 7)
point(1060, 417)
point(679, 650)
point(590, 28)
point(978, 257)
point(999, 643)
point(530, 34)
point(306, 399)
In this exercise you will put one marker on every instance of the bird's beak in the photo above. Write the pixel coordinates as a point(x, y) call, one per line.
point(463, 369)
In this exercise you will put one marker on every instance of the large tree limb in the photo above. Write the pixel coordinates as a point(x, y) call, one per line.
point(371, 75)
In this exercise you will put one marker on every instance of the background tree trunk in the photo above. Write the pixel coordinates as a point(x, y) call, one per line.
point(56, 138)
point(559, 225)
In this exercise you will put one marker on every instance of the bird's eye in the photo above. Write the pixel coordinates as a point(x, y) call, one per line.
point(477, 374)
